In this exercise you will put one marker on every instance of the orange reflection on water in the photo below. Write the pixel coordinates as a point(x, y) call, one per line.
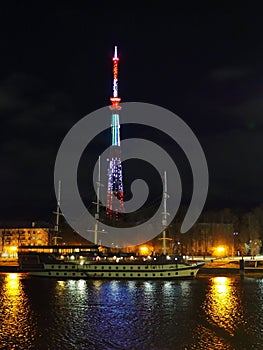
point(222, 304)
point(16, 322)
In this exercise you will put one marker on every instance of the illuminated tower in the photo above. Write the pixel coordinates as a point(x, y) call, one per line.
point(115, 185)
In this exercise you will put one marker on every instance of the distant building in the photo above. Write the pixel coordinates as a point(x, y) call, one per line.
point(11, 238)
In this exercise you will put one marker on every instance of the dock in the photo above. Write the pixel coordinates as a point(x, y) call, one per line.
point(233, 266)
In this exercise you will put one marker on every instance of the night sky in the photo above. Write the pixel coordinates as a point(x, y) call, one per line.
point(203, 65)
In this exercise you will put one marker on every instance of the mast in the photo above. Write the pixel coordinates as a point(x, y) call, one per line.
point(165, 214)
point(58, 213)
point(97, 214)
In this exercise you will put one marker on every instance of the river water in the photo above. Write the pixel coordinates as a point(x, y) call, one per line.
point(209, 312)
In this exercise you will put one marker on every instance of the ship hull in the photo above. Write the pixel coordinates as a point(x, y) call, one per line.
point(115, 271)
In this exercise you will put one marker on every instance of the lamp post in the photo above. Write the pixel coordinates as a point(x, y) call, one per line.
point(235, 234)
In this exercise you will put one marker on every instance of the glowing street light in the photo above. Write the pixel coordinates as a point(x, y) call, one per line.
point(220, 251)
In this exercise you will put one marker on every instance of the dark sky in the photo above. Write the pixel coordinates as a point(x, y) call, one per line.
point(203, 65)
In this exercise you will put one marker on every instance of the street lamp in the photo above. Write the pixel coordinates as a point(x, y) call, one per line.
point(235, 234)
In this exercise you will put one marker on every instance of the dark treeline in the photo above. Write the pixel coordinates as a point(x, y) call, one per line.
point(239, 231)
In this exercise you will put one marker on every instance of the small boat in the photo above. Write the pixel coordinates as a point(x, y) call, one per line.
point(97, 262)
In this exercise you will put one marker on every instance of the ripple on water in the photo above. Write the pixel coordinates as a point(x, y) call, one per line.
point(17, 326)
point(205, 313)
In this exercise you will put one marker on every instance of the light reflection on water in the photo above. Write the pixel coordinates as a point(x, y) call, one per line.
point(231, 315)
point(205, 313)
point(17, 330)
point(223, 313)
point(223, 306)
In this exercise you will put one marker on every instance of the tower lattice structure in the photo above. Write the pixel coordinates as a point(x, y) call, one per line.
point(115, 184)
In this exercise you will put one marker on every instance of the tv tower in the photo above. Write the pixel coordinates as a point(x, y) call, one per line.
point(115, 184)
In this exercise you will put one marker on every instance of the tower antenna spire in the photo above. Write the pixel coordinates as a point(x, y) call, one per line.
point(115, 185)
point(115, 53)
point(115, 96)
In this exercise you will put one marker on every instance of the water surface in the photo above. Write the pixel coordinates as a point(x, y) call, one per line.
point(208, 312)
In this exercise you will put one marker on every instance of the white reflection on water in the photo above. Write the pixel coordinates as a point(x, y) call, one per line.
point(186, 288)
point(114, 285)
point(148, 287)
point(167, 287)
point(75, 286)
point(81, 285)
point(131, 285)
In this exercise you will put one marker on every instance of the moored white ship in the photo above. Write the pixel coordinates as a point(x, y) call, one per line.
point(93, 261)
point(86, 262)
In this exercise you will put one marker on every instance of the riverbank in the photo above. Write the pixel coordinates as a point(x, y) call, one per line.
point(233, 266)
point(9, 265)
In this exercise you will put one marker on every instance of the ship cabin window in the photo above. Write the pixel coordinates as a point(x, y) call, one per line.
point(109, 267)
point(116, 274)
point(102, 267)
point(66, 266)
point(116, 267)
point(139, 267)
point(146, 274)
point(124, 267)
point(138, 274)
point(65, 274)
point(109, 274)
point(169, 274)
point(52, 267)
point(123, 274)
point(59, 266)
point(131, 267)
point(131, 274)
point(95, 267)
point(153, 274)
point(161, 274)
point(73, 267)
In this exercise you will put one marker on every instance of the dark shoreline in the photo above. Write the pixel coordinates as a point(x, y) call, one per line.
point(9, 268)
point(229, 271)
